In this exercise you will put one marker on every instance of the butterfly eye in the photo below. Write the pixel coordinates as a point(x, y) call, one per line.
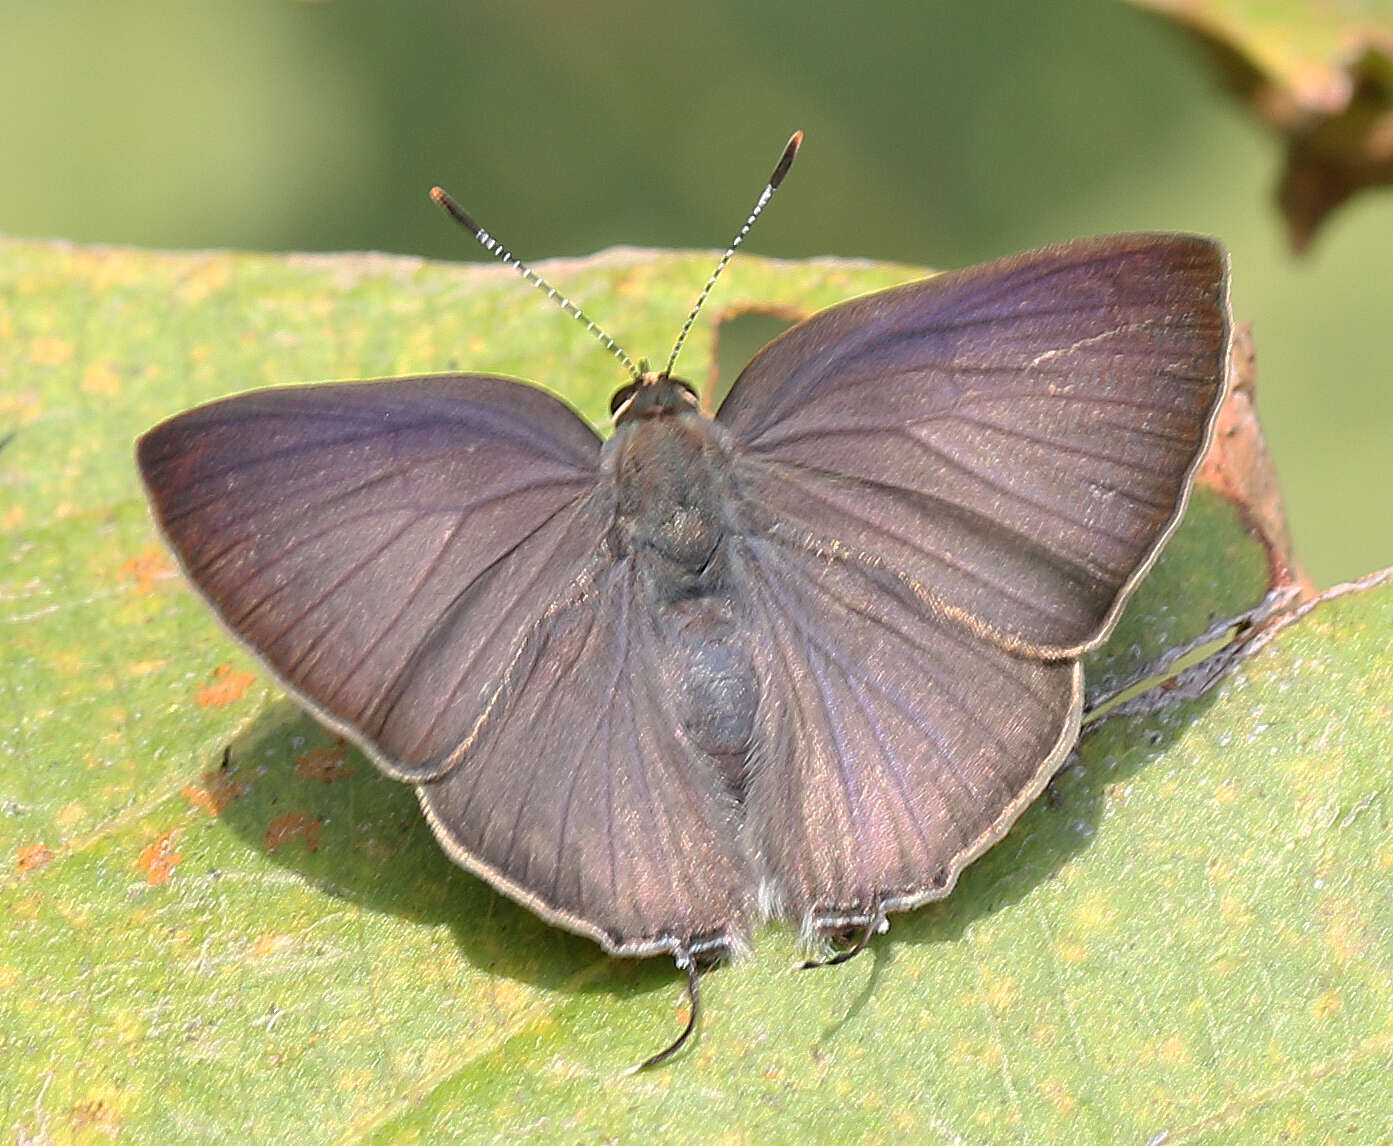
point(622, 396)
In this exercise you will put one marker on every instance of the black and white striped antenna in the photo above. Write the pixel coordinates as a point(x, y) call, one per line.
point(499, 251)
point(780, 170)
point(506, 257)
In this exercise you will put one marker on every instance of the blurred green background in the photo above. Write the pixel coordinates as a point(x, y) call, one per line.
point(937, 133)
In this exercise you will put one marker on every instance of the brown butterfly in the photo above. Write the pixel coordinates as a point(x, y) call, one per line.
point(806, 659)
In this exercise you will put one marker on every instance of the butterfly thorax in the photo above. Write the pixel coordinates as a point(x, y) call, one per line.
point(672, 487)
point(674, 520)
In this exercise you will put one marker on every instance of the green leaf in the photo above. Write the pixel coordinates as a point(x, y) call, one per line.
point(1188, 935)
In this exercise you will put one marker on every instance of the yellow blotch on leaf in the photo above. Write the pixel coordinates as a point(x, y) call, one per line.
point(209, 276)
point(1220, 871)
point(1346, 937)
point(1236, 911)
point(1174, 1051)
point(1058, 1097)
point(101, 378)
point(1326, 1006)
point(419, 345)
point(964, 1051)
point(1224, 965)
point(355, 1081)
point(104, 269)
point(999, 993)
point(45, 350)
point(1095, 913)
point(26, 908)
point(1070, 951)
point(273, 944)
point(23, 407)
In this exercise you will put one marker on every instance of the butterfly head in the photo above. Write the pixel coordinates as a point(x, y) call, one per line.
point(652, 395)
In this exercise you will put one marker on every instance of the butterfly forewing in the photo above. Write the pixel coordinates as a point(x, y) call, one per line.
point(385, 547)
point(1017, 438)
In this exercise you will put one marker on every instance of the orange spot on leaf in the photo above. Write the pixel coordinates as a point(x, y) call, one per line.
point(147, 567)
point(215, 791)
point(33, 856)
point(96, 1114)
point(324, 764)
point(290, 825)
point(159, 858)
point(228, 685)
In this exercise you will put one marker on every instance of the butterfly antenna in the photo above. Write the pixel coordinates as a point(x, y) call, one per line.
point(694, 998)
point(780, 170)
point(506, 257)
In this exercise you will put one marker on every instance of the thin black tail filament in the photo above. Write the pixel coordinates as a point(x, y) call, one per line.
point(694, 999)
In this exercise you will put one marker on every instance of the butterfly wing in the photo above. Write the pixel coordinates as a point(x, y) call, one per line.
point(957, 484)
point(895, 746)
point(423, 563)
point(384, 547)
point(583, 799)
point(1018, 439)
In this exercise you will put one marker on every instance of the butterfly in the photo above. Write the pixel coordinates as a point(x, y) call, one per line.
point(805, 658)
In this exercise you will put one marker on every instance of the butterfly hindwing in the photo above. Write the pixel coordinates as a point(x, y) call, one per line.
point(895, 744)
point(581, 796)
